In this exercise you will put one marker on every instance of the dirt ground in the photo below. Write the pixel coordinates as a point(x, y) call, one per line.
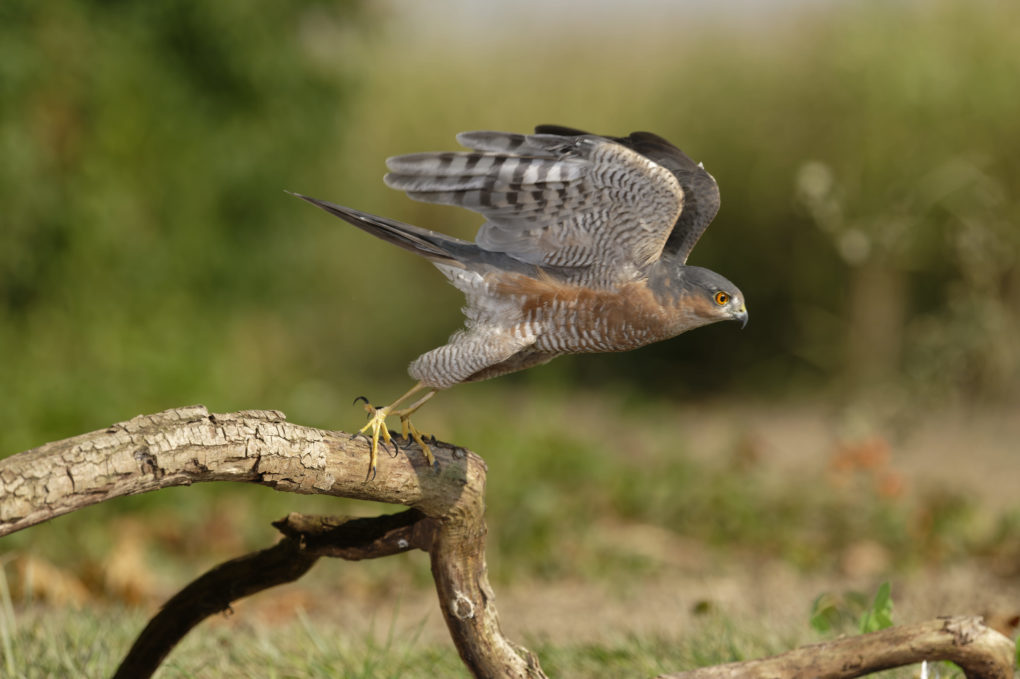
point(973, 450)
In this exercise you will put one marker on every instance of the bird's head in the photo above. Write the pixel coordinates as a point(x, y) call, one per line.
point(711, 297)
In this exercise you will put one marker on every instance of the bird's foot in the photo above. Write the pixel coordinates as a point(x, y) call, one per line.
point(411, 432)
point(377, 427)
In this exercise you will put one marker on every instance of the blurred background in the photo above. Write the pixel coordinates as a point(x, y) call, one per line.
point(867, 158)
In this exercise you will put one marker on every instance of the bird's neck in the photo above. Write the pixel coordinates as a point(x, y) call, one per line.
point(666, 281)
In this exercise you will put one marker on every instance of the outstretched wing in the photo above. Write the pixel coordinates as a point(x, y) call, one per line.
point(552, 199)
point(701, 193)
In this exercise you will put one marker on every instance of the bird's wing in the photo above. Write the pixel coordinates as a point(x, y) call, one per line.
point(551, 199)
point(701, 193)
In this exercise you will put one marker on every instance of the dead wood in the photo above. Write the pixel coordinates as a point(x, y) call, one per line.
point(981, 652)
point(190, 445)
point(306, 539)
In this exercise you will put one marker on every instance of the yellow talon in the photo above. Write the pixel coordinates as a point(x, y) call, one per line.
point(408, 428)
point(377, 425)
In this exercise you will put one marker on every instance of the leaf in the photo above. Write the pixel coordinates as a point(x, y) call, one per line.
point(824, 613)
point(879, 615)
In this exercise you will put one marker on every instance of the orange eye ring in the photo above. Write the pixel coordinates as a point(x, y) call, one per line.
point(721, 298)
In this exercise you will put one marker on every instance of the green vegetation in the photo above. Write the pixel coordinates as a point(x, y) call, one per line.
point(831, 612)
point(88, 643)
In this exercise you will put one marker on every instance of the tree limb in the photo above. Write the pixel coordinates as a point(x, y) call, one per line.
point(307, 539)
point(189, 445)
point(980, 651)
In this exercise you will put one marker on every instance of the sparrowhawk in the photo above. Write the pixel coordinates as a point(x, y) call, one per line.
point(584, 250)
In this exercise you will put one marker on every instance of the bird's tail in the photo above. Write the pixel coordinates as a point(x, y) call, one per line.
point(429, 244)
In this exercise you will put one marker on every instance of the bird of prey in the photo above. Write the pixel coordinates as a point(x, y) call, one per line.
point(584, 250)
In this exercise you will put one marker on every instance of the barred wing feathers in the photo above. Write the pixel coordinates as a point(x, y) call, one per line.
point(553, 200)
point(701, 193)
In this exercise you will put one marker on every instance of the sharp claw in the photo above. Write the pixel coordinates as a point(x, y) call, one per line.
point(376, 428)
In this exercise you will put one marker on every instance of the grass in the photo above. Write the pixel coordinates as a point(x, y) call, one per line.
point(90, 643)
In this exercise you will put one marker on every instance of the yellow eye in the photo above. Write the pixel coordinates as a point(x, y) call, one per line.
point(721, 298)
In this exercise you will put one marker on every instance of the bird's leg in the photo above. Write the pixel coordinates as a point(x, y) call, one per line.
point(377, 423)
point(408, 428)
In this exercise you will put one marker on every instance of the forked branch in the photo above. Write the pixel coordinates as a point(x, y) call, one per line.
point(307, 539)
point(190, 445)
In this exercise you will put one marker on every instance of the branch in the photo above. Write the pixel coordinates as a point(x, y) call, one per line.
point(980, 651)
point(190, 445)
point(307, 539)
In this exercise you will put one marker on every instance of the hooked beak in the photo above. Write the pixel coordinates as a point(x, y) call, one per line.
point(741, 316)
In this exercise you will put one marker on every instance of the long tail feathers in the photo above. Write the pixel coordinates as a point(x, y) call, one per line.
point(415, 239)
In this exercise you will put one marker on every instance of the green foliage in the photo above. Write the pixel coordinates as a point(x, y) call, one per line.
point(142, 253)
point(834, 613)
point(879, 615)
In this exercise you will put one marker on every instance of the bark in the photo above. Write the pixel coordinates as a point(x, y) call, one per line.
point(190, 445)
point(307, 539)
point(980, 651)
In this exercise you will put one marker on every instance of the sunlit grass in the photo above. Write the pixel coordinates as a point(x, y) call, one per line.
point(49, 642)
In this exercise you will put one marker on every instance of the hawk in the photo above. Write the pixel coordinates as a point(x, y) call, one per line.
point(584, 250)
